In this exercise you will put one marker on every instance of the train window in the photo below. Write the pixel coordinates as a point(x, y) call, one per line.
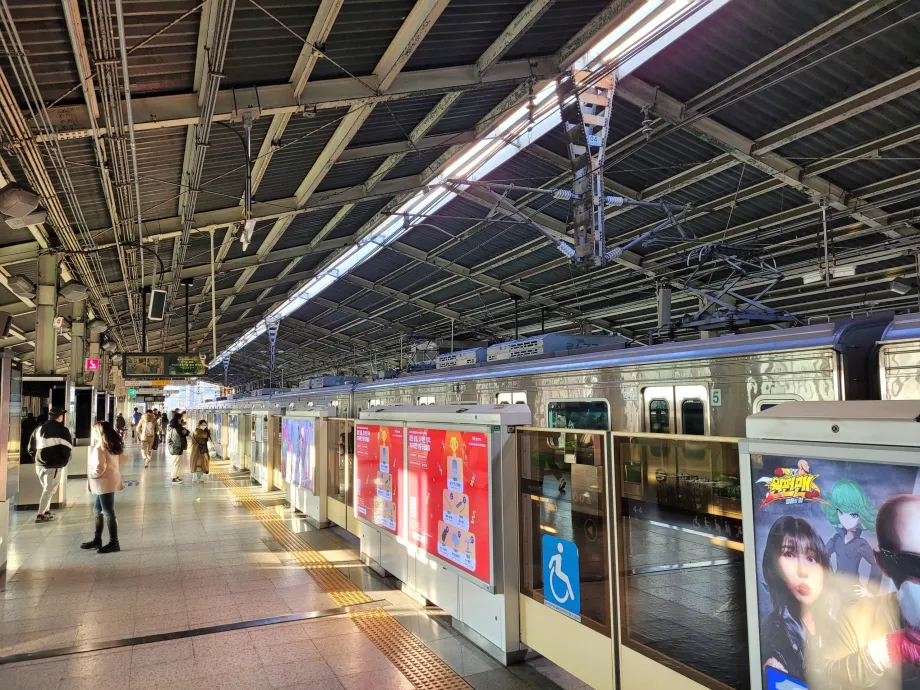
point(579, 414)
point(515, 398)
point(659, 416)
point(424, 400)
point(374, 403)
point(693, 417)
point(766, 402)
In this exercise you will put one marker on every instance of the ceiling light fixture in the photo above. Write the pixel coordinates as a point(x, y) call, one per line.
point(900, 287)
point(74, 291)
point(511, 136)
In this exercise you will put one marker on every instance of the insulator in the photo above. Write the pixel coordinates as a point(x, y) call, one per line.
point(647, 123)
point(615, 200)
point(563, 194)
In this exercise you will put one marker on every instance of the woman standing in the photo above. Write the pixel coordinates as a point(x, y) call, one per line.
point(147, 432)
point(164, 426)
point(176, 443)
point(199, 459)
point(103, 480)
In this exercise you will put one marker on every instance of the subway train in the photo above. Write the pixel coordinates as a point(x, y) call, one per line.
point(658, 400)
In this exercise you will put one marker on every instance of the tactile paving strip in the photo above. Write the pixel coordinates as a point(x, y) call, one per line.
point(422, 667)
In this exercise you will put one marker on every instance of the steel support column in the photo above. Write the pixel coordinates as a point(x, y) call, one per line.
point(45, 334)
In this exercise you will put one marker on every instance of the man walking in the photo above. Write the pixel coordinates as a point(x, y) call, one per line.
point(134, 420)
point(51, 447)
point(147, 432)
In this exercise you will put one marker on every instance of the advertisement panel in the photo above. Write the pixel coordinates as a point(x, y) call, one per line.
point(298, 452)
point(378, 474)
point(837, 547)
point(448, 491)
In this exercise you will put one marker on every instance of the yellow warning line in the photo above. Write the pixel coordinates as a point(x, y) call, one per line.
point(422, 667)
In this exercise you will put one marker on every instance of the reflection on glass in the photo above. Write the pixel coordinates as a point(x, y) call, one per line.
point(340, 458)
point(659, 417)
point(563, 495)
point(681, 555)
point(692, 417)
point(579, 414)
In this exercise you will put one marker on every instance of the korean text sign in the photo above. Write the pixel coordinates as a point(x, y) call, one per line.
point(298, 452)
point(378, 474)
point(448, 497)
point(837, 552)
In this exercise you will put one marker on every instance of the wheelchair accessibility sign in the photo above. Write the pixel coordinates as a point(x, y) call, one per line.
point(561, 581)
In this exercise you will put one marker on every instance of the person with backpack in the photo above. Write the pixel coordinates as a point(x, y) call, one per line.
point(121, 425)
point(147, 433)
point(51, 446)
point(103, 471)
point(176, 443)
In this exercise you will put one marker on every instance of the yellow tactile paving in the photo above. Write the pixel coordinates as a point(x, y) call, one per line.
point(422, 667)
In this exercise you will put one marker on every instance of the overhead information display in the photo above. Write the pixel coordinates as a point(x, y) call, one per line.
point(378, 474)
point(163, 365)
point(448, 490)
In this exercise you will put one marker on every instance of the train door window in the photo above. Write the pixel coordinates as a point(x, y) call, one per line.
point(374, 403)
point(765, 402)
point(693, 417)
point(514, 398)
point(579, 414)
point(659, 416)
point(424, 400)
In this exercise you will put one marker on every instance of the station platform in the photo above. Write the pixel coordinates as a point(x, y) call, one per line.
point(219, 587)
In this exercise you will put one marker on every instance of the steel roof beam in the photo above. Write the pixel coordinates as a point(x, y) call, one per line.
point(519, 26)
point(181, 110)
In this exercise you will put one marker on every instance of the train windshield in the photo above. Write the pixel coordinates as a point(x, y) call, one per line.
point(579, 414)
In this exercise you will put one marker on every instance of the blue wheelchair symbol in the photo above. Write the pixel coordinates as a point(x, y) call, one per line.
point(561, 580)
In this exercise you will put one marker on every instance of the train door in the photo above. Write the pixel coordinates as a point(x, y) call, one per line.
point(676, 410)
point(274, 431)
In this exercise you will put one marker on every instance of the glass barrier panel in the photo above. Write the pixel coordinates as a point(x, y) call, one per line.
point(681, 555)
point(340, 441)
point(563, 525)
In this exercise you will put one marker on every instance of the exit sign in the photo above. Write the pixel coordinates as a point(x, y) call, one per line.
point(132, 392)
point(92, 365)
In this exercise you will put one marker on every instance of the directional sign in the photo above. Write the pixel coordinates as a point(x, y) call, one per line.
point(92, 365)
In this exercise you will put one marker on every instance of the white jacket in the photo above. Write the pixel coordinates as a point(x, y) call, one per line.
point(103, 472)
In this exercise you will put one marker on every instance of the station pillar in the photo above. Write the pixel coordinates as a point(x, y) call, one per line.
point(78, 342)
point(45, 334)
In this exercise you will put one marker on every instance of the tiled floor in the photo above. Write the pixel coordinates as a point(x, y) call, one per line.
point(193, 557)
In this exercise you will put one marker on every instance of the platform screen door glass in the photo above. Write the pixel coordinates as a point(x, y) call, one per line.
point(563, 497)
point(680, 544)
point(579, 414)
point(340, 440)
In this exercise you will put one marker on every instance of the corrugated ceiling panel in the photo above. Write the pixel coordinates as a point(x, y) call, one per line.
point(360, 214)
point(167, 63)
point(414, 163)
point(43, 32)
point(159, 165)
point(472, 107)
point(304, 228)
point(349, 174)
point(559, 24)
point(223, 180)
point(360, 36)
point(465, 29)
point(80, 158)
point(261, 51)
point(303, 140)
point(394, 121)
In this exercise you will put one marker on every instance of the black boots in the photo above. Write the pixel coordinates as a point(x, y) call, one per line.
point(97, 540)
point(96, 543)
point(112, 546)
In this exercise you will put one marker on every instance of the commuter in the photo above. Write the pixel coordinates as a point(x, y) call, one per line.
point(136, 417)
point(103, 471)
point(147, 432)
point(176, 443)
point(121, 426)
point(164, 425)
point(199, 459)
point(51, 445)
point(27, 428)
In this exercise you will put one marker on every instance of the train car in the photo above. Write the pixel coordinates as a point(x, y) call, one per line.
point(899, 359)
point(702, 387)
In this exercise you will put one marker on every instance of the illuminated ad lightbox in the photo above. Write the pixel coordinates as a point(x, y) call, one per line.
point(837, 551)
point(298, 452)
point(448, 498)
point(379, 470)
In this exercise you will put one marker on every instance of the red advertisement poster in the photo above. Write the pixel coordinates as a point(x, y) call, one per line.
point(448, 490)
point(378, 474)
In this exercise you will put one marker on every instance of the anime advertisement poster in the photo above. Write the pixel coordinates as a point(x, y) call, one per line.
point(298, 454)
point(448, 492)
point(837, 547)
point(378, 474)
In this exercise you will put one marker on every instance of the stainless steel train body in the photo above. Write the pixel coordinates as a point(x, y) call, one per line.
point(702, 387)
point(899, 359)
